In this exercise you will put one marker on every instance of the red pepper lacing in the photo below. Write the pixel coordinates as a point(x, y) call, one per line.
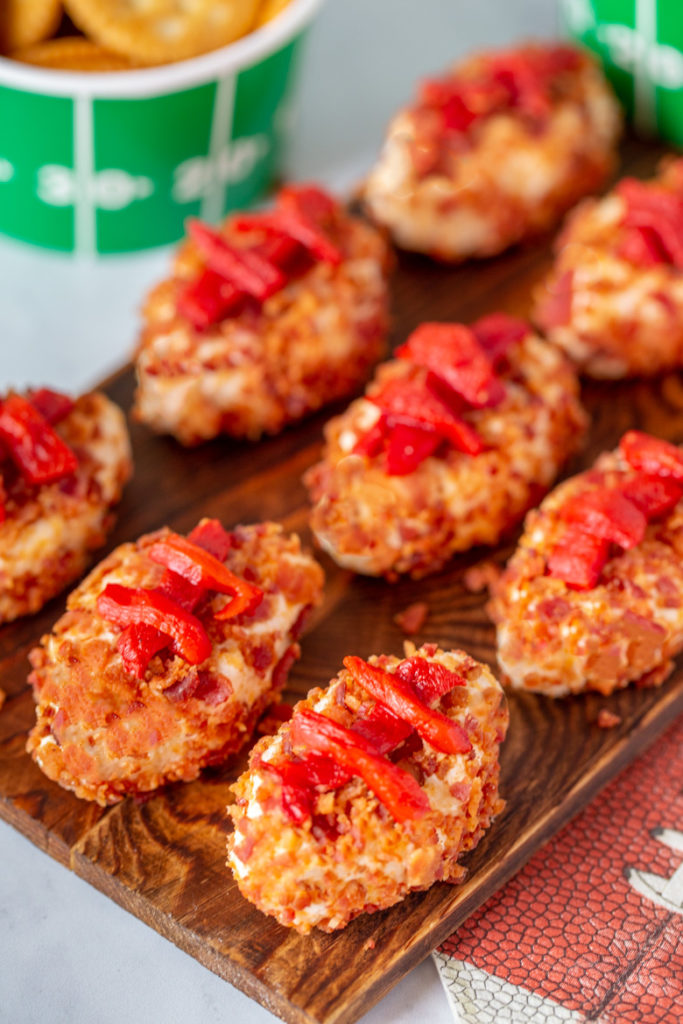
point(652, 225)
point(523, 81)
point(324, 755)
point(162, 617)
point(598, 519)
point(293, 235)
point(27, 439)
point(456, 371)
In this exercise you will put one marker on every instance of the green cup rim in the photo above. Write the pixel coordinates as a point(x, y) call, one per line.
point(168, 78)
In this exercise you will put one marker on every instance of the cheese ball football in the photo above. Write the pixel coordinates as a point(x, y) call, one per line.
point(167, 655)
point(614, 297)
point(494, 151)
point(374, 789)
point(63, 466)
point(593, 597)
point(451, 444)
point(263, 321)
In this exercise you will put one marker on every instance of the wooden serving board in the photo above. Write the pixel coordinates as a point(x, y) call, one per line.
point(164, 860)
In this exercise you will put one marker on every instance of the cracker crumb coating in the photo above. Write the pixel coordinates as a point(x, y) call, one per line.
point(557, 641)
point(352, 857)
point(105, 734)
point(377, 524)
point(618, 319)
point(513, 181)
point(310, 343)
point(50, 531)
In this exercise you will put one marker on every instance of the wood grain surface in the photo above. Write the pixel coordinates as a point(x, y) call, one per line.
point(164, 860)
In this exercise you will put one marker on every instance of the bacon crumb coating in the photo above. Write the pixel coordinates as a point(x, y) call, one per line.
point(556, 640)
point(497, 178)
point(253, 373)
point(351, 857)
point(105, 734)
point(616, 312)
point(377, 524)
point(50, 530)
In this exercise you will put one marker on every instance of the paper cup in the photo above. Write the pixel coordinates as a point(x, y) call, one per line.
point(114, 162)
point(640, 43)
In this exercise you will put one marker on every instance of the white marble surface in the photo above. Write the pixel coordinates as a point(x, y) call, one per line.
point(68, 955)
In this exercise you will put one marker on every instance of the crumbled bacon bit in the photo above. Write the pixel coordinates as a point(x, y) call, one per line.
point(607, 719)
point(412, 619)
point(481, 576)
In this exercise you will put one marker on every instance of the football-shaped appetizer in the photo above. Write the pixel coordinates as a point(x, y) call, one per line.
point(263, 320)
point(167, 655)
point(454, 440)
point(614, 298)
point(374, 788)
point(494, 151)
point(63, 465)
point(593, 597)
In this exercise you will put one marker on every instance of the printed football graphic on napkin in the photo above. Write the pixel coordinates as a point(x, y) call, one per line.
point(592, 928)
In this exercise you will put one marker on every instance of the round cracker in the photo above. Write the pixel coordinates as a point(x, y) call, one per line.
point(159, 31)
point(25, 22)
point(270, 9)
point(72, 53)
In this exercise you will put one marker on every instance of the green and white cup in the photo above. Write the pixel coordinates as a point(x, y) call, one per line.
point(115, 162)
point(640, 43)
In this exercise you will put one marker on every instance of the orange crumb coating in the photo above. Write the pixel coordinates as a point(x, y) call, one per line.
point(558, 641)
point(352, 857)
point(104, 734)
point(620, 319)
point(378, 524)
point(252, 374)
point(51, 530)
point(511, 182)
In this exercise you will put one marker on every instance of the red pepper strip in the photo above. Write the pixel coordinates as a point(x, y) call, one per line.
point(33, 445)
point(246, 269)
point(440, 731)
point(301, 213)
point(652, 455)
point(382, 728)
point(648, 206)
point(453, 353)
point(393, 787)
point(411, 402)
point(429, 679)
point(53, 405)
point(372, 443)
point(655, 496)
point(208, 300)
point(642, 246)
point(607, 514)
point(408, 447)
point(497, 331)
point(127, 605)
point(300, 777)
point(3, 499)
point(137, 645)
point(578, 558)
point(213, 537)
point(203, 570)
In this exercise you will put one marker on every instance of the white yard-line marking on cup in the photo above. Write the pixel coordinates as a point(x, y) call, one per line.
point(85, 237)
point(6, 169)
point(644, 92)
point(213, 202)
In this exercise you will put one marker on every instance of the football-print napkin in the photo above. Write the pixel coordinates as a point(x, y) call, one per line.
point(591, 929)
